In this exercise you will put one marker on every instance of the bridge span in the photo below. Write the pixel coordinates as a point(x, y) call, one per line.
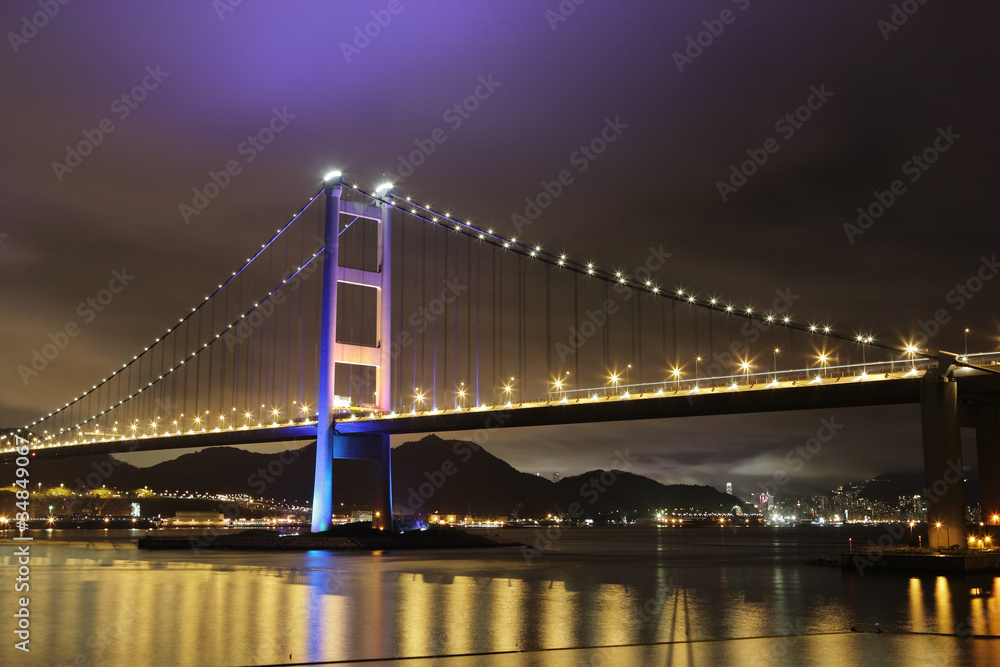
point(491, 332)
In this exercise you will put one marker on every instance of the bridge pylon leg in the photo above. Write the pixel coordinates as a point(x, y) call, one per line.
point(987, 421)
point(322, 503)
point(944, 481)
point(372, 448)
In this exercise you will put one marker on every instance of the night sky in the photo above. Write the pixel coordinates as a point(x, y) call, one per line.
point(884, 85)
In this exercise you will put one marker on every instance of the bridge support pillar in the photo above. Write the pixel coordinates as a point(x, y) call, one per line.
point(987, 422)
point(373, 448)
point(944, 481)
point(330, 446)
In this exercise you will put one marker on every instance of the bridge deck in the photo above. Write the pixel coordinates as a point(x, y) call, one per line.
point(829, 393)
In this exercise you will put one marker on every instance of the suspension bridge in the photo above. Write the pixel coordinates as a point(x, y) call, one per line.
point(368, 314)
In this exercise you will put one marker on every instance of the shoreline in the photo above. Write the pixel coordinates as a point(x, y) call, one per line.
point(355, 539)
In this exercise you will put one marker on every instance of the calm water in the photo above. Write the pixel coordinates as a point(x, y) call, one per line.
point(103, 602)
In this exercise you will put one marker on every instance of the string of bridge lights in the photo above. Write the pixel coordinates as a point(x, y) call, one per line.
point(189, 315)
point(193, 354)
point(385, 192)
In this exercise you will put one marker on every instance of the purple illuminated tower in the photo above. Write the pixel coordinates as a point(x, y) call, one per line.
point(330, 445)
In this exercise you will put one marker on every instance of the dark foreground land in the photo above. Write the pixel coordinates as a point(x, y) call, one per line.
point(351, 537)
point(914, 560)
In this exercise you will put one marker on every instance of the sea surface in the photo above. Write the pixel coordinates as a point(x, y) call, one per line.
point(627, 595)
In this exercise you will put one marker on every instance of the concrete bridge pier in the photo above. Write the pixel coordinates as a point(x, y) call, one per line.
point(372, 448)
point(987, 423)
point(944, 481)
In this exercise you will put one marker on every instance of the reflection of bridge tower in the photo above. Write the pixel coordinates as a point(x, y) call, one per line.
point(329, 445)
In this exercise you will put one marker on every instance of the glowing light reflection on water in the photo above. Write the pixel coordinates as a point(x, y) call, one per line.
point(108, 603)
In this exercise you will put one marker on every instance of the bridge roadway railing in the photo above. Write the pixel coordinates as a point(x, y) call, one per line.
point(740, 382)
point(863, 372)
point(882, 370)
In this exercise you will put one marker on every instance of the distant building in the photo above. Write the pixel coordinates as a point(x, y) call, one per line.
point(555, 477)
point(729, 488)
point(198, 519)
point(447, 519)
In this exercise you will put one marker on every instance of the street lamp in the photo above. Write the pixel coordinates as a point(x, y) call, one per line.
point(966, 335)
point(697, 363)
point(776, 351)
point(614, 381)
point(461, 395)
point(938, 527)
point(823, 359)
point(864, 340)
point(746, 370)
point(627, 369)
point(559, 381)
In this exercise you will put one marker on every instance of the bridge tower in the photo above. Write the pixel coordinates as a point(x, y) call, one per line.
point(330, 445)
point(944, 477)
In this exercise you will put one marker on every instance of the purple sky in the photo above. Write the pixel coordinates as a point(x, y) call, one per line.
point(888, 94)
